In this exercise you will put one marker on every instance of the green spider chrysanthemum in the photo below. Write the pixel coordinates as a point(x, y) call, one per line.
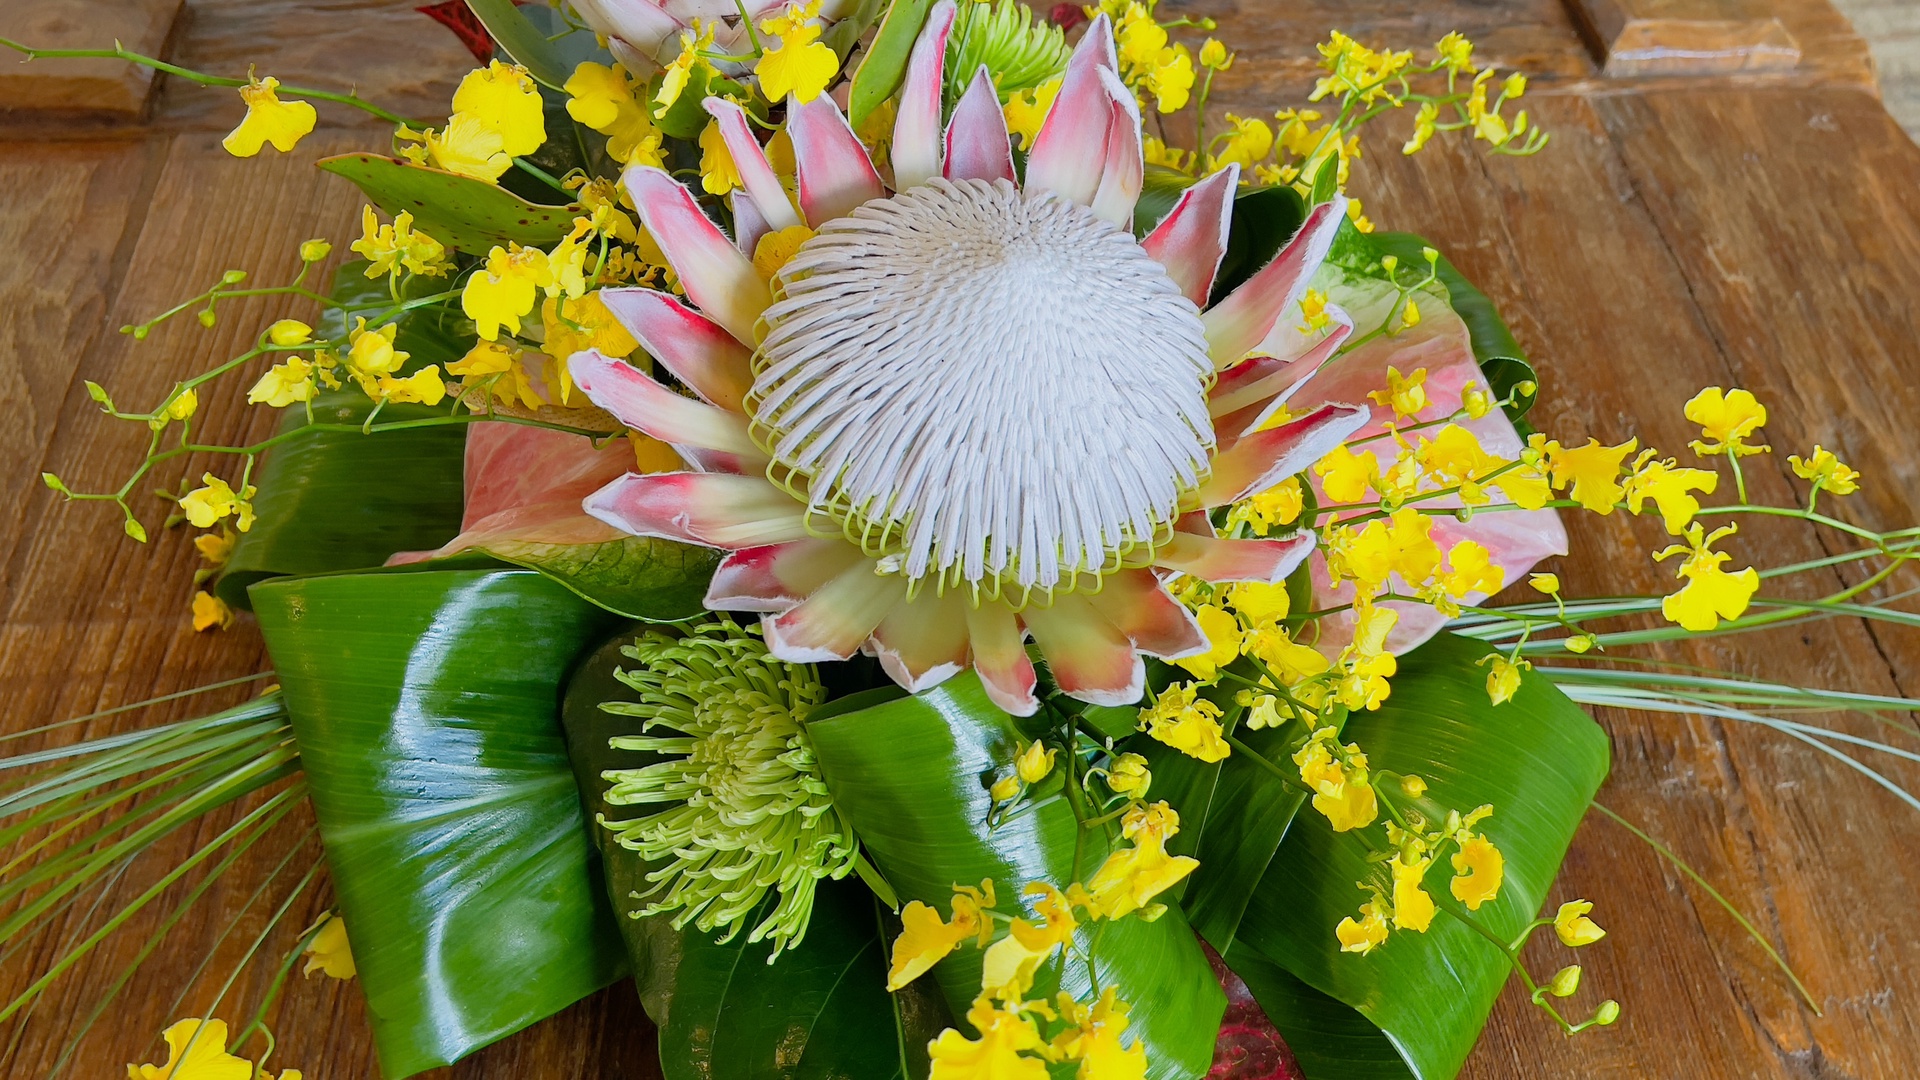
point(1020, 50)
point(747, 810)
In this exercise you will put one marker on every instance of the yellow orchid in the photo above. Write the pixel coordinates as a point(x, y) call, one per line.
point(1186, 722)
point(268, 120)
point(328, 952)
point(1726, 418)
point(803, 65)
point(1711, 593)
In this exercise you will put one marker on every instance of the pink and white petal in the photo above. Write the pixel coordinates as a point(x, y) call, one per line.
point(923, 642)
point(686, 343)
point(1260, 381)
point(916, 125)
point(1241, 321)
point(978, 147)
point(641, 25)
point(1069, 154)
point(1091, 659)
point(778, 576)
point(713, 438)
point(524, 485)
point(998, 648)
point(714, 509)
point(1264, 458)
point(837, 619)
point(1135, 602)
point(1124, 168)
point(748, 226)
point(1210, 558)
point(714, 273)
point(1192, 239)
point(750, 159)
point(834, 172)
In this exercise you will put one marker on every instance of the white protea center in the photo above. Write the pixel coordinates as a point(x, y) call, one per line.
point(987, 385)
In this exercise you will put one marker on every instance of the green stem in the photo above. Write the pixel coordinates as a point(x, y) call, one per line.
point(119, 53)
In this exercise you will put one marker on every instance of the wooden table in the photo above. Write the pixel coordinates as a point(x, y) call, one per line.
point(1759, 227)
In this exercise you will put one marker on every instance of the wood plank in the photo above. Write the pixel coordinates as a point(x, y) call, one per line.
point(1686, 37)
point(388, 53)
point(66, 90)
point(1602, 293)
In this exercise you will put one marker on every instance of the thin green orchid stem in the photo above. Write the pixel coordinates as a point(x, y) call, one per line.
point(1745, 924)
point(1291, 780)
point(119, 53)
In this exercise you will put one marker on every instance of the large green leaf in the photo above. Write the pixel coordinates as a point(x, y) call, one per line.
point(1537, 759)
point(885, 63)
point(426, 706)
point(341, 500)
point(1233, 816)
point(459, 211)
point(911, 775)
point(1493, 343)
point(538, 39)
point(821, 1012)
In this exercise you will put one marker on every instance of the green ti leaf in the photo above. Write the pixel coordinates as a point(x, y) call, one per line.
point(911, 774)
point(539, 39)
point(426, 708)
point(1537, 759)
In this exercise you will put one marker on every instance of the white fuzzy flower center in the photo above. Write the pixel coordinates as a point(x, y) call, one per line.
point(991, 385)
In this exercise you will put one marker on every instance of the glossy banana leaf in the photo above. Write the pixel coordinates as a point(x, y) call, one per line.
point(1233, 815)
point(341, 500)
point(461, 212)
point(911, 774)
point(426, 708)
point(1538, 759)
point(1493, 343)
point(821, 1012)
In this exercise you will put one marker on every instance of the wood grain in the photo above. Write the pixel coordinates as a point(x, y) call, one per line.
point(1678, 233)
point(1686, 37)
point(68, 89)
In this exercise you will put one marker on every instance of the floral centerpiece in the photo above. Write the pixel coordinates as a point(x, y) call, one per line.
point(904, 531)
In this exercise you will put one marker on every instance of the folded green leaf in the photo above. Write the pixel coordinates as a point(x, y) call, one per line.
point(911, 774)
point(821, 1011)
point(1537, 759)
point(459, 211)
point(426, 710)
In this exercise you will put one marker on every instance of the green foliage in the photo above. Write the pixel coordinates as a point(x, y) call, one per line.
point(426, 708)
point(885, 62)
point(538, 39)
point(1020, 50)
point(821, 1010)
point(911, 774)
point(1537, 759)
point(463, 213)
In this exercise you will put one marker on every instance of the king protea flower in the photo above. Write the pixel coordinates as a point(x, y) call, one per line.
point(645, 34)
point(967, 411)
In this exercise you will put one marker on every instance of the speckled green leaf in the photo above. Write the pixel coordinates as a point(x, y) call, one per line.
point(459, 211)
